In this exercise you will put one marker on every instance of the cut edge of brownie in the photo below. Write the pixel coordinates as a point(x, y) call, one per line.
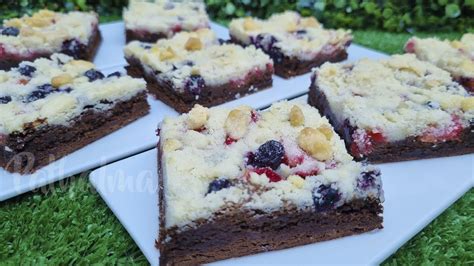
point(232, 235)
point(36, 148)
point(143, 36)
point(292, 66)
point(405, 150)
point(86, 52)
point(209, 96)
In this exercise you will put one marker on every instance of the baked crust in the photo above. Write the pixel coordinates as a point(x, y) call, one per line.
point(32, 149)
point(143, 36)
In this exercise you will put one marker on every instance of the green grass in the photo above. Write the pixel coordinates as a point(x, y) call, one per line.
point(68, 223)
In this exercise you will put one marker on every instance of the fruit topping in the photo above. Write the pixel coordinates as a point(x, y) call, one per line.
point(270, 154)
point(93, 75)
point(272, 176)
point(26, 70)
point(10, 31)
point(40, 92)
point(195, 84)
point(315, 143)
point(218, 184)
point(325, 198)
point(5, 99)
point(435, 134)
point(367, 179)
point(115, 74)
point(363, 141)
point(229, 140)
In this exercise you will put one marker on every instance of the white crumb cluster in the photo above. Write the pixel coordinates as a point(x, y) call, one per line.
point(166, 17)
point(45, 31)
point(397, 97)
point(195, 153)
point(67, 92)
point(296, 36)
point(197, 53)
point(456, 57)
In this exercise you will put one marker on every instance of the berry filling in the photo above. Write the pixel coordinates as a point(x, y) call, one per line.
point(229, 140)
point(115, 74)
point(435, 134)
point(40, 93)
point(325, 198)
point(364, 141)
point(410, 47)
point(27, 70)
point(367, 179)
point(272, 176)
point(93, 74)
point(73, 48)
point(218, 184)
point(5, 99)
point(195, 84)
point(10, 31)
point(267, 44)
point(270, 154)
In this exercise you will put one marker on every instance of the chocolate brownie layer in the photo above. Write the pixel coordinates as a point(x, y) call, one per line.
point(288, 67)
point(240, 234)
point(408, 149)
point(85, 52)
point(143, 36)
point(32, 149)
point(209, 96)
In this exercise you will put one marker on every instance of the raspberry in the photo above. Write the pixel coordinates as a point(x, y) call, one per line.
point(274, 177)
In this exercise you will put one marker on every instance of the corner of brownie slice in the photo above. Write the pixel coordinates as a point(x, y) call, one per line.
point(235, 182)
point(195, 68)
point(46, 32)
point(296, 44)
point(150, 21)
point(395, 109)
point(52, 107)
point(452, 56)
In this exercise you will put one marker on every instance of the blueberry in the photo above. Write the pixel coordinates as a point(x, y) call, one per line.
point(66, 90)
point(40, 92)
point(276, 54)
point(267, 44)
point(73, 48)
point(5, 99)
point(325, 198)
point(432, 105)
point(10, 31)
point(93, 74)
point(270, 154)
point(189, 63)
point(194, 84)
point(145, 46)
point(115, 74)
point(218, 184)
point(26, 70)
point(367, 179)
point(222, 41)
point(301, 32)
point(471, 122)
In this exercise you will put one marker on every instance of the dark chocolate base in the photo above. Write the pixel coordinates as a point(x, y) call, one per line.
point(143, 36)
point(209, 96)
point(288, 67)
point(35, 148)
point(86, 52)
point(244, 233)
point(405, 150)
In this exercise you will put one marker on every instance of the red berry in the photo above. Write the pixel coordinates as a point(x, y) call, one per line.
point(304, 174)
point(274, 177)
point(452, 132)
point(410, 47)
point(254, 116)
point(229, 140)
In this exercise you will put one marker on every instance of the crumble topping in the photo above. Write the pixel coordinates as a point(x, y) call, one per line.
point(46, 31)
point(288, 32)
point(168, 17)
point(192, 60)
point(53, 91)
point(216, 158)
point(396, 98)
point(456, 57)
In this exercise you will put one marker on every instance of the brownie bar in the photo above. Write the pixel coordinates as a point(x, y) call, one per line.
point(209, 96)
point(234, 236)
point(408, 149)
point(34, 148)
point(288, 67)
point(143, 36)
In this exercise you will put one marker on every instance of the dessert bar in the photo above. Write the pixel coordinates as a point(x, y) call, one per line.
point(456, 57)
point(395, 109)
point(193, 67)
point(296, 44)
point(149, 21)
point(46, 32)
point(52, 107)
point(234, 182)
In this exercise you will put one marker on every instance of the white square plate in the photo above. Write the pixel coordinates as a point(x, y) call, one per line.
point(140, 135)
point(415, 193)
